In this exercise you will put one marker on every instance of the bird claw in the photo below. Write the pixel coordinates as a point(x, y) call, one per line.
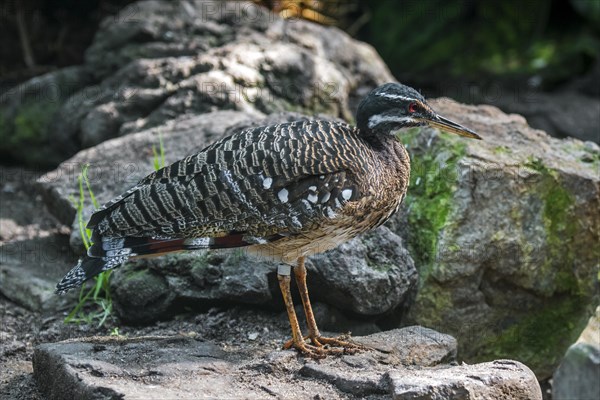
point(342, 343)
point(322, 346)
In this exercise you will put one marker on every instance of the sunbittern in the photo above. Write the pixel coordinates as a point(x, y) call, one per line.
point(282, 191)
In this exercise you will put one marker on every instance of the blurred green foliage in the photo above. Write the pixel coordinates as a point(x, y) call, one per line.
point(427, 42)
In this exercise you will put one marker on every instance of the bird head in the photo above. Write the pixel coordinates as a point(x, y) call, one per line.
point(393, 106)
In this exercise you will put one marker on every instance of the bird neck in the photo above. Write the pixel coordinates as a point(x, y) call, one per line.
point(390, 151)
point(379, 141)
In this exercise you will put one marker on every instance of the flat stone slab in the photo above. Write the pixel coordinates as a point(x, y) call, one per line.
point(408, 363)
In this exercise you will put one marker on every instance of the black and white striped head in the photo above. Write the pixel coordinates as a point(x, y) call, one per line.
point(393, 106)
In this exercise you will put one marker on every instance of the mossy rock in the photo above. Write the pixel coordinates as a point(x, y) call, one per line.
point(25, 137)
point(504, 233)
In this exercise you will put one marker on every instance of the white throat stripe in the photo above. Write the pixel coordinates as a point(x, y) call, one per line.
point(378, 119)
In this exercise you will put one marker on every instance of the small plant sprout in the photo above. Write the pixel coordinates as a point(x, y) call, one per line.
point(159, 156)
point(99, 294)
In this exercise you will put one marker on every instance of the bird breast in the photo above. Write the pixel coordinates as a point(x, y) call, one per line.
point(382, 190)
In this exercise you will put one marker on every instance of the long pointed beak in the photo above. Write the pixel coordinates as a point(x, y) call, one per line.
point(452, 127)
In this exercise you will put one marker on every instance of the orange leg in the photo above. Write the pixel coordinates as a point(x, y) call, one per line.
point(339, 346)
point(297, 341)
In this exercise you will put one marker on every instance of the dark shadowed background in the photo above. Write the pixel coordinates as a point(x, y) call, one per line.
point(539, 58)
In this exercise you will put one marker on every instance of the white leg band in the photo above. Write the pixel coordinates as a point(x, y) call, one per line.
point(284, 269)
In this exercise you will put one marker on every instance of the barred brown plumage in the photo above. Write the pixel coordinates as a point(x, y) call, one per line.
point(283, 191)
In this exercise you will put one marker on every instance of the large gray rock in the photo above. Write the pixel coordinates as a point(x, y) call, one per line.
point(27, 111)
point(496, 380)
point(156, 60)
point(505, 234)
point(181, 367)
point(34, 246)
point(370, 276)
point(578, 373)
point(560, 114)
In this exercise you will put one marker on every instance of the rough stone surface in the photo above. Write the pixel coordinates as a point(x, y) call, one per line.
point(505, 234)
point(577, 374)
point(561, 114)
point(413, 345)
point(182, 367)
point(27, 111)
point(496, 380)
point(159, 59)
point(34, 246)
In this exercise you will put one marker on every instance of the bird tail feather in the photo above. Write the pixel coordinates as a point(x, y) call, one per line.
point(109, 253)
point(86, 268)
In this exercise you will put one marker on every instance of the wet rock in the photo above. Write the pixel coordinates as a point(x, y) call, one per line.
point(578, 372)
point(180, 367)
point(504, 232)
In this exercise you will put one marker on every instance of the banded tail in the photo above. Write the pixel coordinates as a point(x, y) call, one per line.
point(110, 253)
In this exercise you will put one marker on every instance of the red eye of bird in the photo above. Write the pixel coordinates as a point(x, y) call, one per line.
point(412, 107)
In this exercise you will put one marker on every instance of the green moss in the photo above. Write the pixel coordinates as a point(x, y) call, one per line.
point(31, 122)
point(433, 181)
point(136, 274)
point(433, 301)
point(25, 136)
point(542, 338)
point(383, 267)
point(560, 225)
point(502, 150)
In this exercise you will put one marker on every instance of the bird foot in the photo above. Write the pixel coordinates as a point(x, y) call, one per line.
point(341, 342)
point(312, 351)
point(322, 346)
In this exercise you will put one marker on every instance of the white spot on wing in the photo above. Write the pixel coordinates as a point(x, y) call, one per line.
point(313, 198)
point(283, 195)
point(312, 188)
point(347, 194)
point(267, 182)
